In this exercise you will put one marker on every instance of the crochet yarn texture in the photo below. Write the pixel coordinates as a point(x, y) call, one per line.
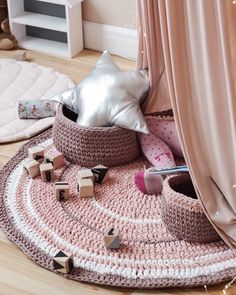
point(109, 146)
point(149, 257)
point(182, 212)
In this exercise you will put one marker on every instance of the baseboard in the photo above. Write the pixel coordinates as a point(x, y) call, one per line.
point(118, 40)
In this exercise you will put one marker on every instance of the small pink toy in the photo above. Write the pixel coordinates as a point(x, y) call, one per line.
point(159, 147)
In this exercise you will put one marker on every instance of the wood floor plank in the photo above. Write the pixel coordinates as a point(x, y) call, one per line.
point(21, 276)
point(76, 68)
point(3, 160)
point(196, 291)
point(10, 149)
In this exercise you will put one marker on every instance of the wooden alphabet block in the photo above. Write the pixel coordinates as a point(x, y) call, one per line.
point(20, 55)
point(85, 187)
point(36, 153)
point(111, 238)
point(47, 172)
point(86, 174)
point(31, 166)
point(62, 191)
point(100, 173)
point(56, 158)
point(63, 262)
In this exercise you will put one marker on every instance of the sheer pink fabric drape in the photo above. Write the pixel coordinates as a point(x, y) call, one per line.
point(198, 57)
point(150, 55)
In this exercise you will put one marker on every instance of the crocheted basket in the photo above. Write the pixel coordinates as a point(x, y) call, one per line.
point(182, 212)
point(110, 146)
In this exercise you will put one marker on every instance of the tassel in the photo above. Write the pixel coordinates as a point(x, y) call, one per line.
point(227, 286)
point(205, 287)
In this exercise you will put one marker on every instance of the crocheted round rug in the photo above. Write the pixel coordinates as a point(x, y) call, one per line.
point(149, 256)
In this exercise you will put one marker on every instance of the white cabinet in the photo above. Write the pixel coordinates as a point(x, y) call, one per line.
point(36, 30)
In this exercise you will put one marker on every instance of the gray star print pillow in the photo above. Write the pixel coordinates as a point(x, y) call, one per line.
point(109, 96)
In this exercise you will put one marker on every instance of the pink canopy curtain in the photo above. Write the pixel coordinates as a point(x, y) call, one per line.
point(193, 43)
point(150, 55)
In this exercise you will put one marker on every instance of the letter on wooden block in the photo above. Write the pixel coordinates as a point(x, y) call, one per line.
point(36, 153)
point(86, 174)
point(100, 173)
point(47, 172)
point(111, 238)
point(62, 191)
point(63, 262)
point(56, 158)
point(85, 188)
point(31, 166)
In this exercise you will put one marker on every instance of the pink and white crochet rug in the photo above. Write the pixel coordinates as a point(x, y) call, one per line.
point(150, 257)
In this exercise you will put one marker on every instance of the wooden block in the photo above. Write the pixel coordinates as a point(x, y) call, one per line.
point(56, 158)
point(62, 191)
point(47, 172)
point(20, 55)
point(85, 187)
point(36, 153)
point(63, 262)
point(100, 173)
point(111, 238)
point(85, 174)
point(31, 166)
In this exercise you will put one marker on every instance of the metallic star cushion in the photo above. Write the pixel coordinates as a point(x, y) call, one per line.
point(109, 96)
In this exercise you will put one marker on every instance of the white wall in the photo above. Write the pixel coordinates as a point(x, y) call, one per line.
point(110, 24)
point(110, 12)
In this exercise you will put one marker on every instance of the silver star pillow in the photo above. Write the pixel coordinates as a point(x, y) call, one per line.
point(109, 96)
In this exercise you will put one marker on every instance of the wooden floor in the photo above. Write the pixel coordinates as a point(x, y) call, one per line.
point(18, 274)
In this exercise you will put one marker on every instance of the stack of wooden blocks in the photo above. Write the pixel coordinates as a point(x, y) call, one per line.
point(44, 165)
point(40, 164)
point(88, 177)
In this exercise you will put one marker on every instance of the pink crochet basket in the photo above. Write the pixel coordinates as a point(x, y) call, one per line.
point(110, 146)
point(182, 212)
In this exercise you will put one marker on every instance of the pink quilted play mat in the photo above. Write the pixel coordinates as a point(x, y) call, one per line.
point(149, 257)
point(26, 80)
